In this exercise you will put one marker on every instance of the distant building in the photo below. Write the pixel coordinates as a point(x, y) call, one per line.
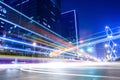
point(68, 26)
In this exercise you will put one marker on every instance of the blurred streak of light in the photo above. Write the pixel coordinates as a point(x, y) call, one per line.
point(18, 49)
point(59, 46)
point(80, 65)
point(83, 64)
point(33, 58)
point(32, 31)
point(67, 43)
point(25, 43)
point(100, 36)
point(55, 65)
point(38, 40)
point(42, 42)
point(91, 43)
point(29, 30)
point(96, 42)
point(31, 26)
point(99, 41)
point(47, 65)
point(18, 12)
point(9, 66)
point(76, 30)
point(3, 56)
point(55, 53)
point(71, 57)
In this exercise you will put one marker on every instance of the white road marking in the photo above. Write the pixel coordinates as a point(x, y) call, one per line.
point(70, 74)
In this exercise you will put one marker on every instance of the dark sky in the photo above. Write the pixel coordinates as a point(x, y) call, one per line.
point(94, 15)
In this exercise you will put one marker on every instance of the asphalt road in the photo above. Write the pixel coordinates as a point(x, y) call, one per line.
point(102, 72)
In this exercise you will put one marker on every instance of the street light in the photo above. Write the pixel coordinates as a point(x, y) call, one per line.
point(81, 41)
point(115, 44)
point(82, 50)
point(114, 51)
point(106, 45)
point(34, 44)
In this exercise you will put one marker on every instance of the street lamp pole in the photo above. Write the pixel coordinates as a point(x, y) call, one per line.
point(76, 29)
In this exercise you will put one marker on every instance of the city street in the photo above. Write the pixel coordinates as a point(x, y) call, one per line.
point(93, 72)
point(59, 39)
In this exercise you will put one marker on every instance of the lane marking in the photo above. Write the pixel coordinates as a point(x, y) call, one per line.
point(70, 74)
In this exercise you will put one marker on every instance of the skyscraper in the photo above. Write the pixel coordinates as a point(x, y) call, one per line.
point(3, 13)
point(69, 28)
point(46, 12)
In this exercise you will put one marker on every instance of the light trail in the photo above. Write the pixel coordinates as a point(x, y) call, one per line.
point(15, 41)
point(99, 41)
point(31, 19)
point(90, 43)
point(97, 38)
point(87, 44)
point(18, 49)
point(50, 37)
point(32, 32)
point(69, 74)
point(39, 40)
point(95, 42)
point(25, 23)
point(54, 38)
point(102, 36)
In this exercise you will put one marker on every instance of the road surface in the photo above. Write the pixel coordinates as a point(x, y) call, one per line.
point(93, 72)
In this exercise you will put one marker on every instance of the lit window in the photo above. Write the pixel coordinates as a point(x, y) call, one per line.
point(4, 11)
point(11, 27)
point(2, 26)
point(52, 13)
point(45, 19)
point(44, 23)
point(9, 31)
point(15, 26)
point(53, 19)
point(2, 22)
point(49, 26)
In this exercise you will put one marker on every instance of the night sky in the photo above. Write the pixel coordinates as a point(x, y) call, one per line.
point(94, 15)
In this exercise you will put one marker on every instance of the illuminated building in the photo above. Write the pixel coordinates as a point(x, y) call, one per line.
point(69, 28)
point(3, 13)
point(46, 12)
point(20, 30)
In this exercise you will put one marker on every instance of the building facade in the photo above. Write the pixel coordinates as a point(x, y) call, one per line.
point(3, 13)
point(69, 27)
point(46, 12)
